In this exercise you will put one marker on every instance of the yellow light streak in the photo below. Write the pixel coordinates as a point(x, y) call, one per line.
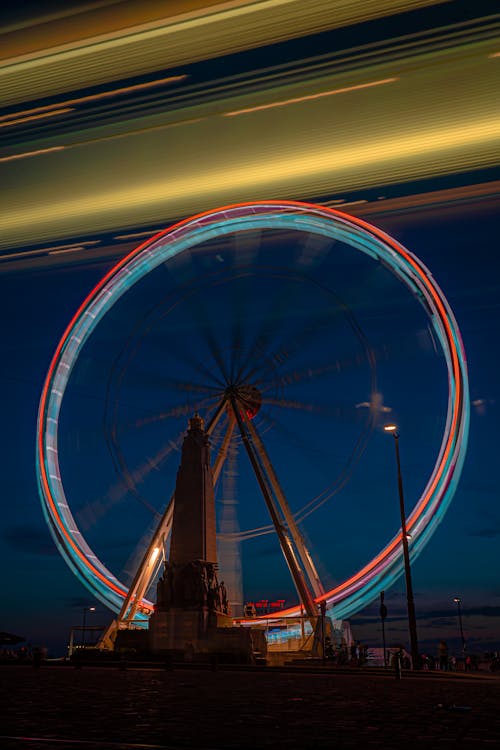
point(19, 120)
point(432, 149)
point(134, 236)
point(163, 43)
point(96, 97)
point(49, 250)
point(26, 154)
point(101, 139)
point(354, 203)
point(67, 250)
point(309, 97)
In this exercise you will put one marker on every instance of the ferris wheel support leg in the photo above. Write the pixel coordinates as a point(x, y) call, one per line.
point(303, 552)
point(222, 454)
point(303, 591)
point(216, 415)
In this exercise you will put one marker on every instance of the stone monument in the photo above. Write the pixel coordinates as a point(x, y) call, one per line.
point(192, 613)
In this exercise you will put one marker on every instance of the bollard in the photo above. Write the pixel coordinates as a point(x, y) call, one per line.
point(398, 664)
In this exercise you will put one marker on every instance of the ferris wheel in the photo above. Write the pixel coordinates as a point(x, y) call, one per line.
point(276, 322)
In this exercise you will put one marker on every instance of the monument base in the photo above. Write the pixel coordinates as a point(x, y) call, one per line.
point(189, 634)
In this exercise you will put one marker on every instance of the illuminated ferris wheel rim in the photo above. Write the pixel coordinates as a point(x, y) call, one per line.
point(358, 590)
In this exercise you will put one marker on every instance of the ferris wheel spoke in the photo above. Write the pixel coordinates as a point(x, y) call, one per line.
point(326, 410)
point(240, 302)
point(175, 351)
point(150, 381)
point(242, 294)
point(201, 317)
point(315, 372)
point(306, 449)
point(295, 345)
point(276, 315)
point(181, 410)
point(294, 437)
point(134, 477)
point(307, 337)
point(318, 457)
point(342, 478)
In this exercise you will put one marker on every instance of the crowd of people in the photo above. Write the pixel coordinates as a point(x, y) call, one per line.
point(358, 655)
point(22, 654)
point(447, 662)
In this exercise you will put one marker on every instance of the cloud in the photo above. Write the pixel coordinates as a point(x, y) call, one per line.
point(487, 532)
point(79, 602)
point(438, 623)
point(438, 617)
point(34, 540)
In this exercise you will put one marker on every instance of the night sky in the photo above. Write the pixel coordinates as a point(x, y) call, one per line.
point(254, 290)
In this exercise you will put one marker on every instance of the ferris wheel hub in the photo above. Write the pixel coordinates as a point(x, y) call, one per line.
point(248, 396)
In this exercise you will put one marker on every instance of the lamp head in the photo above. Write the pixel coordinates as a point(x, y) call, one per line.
point(392, 428)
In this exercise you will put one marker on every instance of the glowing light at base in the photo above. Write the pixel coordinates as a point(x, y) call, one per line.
point(357, 591)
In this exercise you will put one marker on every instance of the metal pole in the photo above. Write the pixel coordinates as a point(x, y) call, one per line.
point(83, 626)
point(322, 609)
point(412, 620)
point(458, 601)
point(383, 615)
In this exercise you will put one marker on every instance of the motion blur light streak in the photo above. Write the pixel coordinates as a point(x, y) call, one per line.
point(309, 97)
point(426, 153)
point(47, 110)
point(7, 122)
point(440, 117)
point(177, 38)
point(27, 154)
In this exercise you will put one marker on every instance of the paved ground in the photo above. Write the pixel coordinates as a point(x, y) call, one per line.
point(113, 709)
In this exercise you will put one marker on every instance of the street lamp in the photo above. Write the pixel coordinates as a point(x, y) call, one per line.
point(412, 620)
point(458, 601)
point(85, 610)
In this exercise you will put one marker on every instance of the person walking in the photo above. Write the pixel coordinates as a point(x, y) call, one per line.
point(443, 656)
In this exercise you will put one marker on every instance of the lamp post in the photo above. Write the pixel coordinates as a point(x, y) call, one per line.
point(458, 602)
point(383, 615)
point(412, 620)
point(84, 623)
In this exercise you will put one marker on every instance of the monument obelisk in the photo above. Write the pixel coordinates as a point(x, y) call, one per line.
point(193, 526)
point(192, 605)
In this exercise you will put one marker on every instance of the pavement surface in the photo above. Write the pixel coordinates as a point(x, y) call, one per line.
point(64, 707)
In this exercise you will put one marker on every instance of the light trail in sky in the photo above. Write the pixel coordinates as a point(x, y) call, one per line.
point(419, 106)
point(83, 54)
point(310, 97)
